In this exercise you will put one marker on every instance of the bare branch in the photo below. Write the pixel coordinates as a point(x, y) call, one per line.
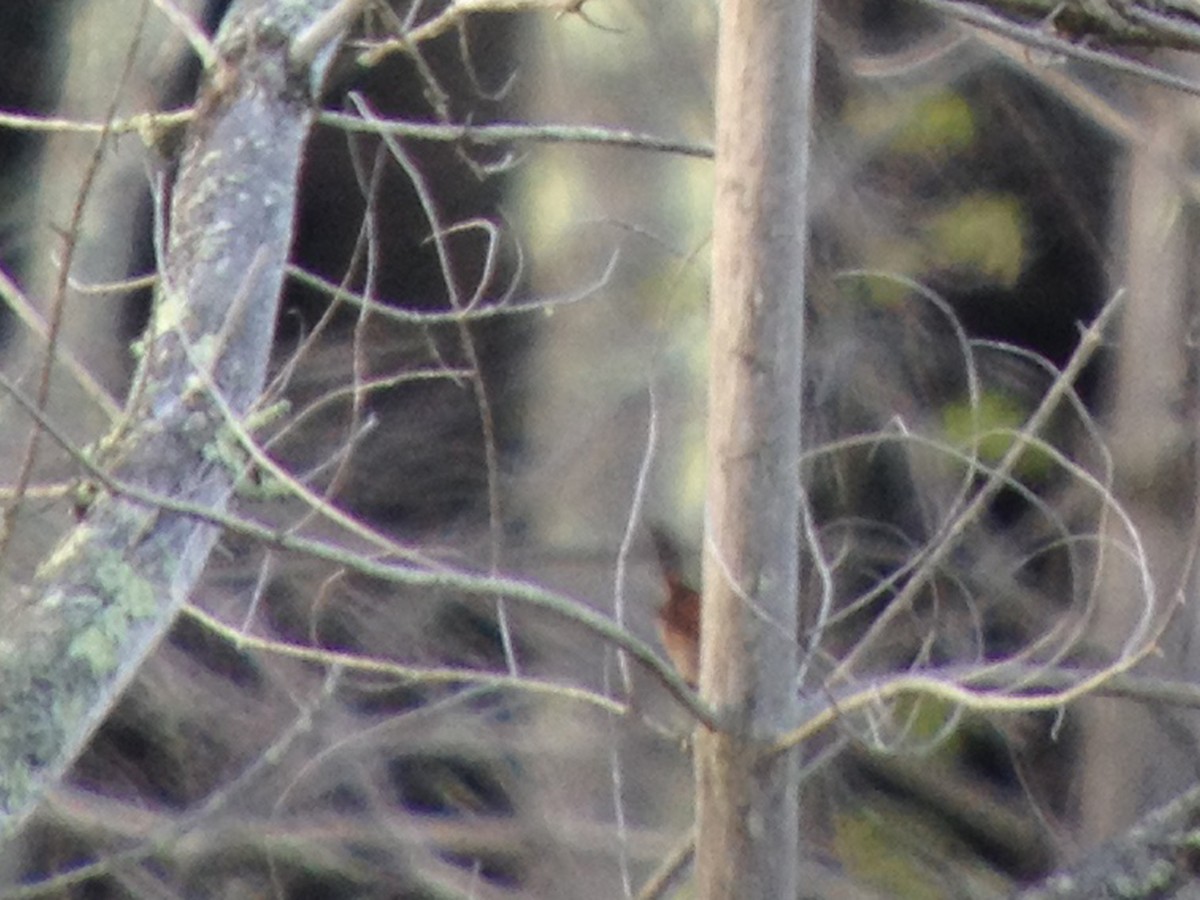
point(104, 598)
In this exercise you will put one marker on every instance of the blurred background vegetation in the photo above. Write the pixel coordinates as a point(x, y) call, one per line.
point(974, 204)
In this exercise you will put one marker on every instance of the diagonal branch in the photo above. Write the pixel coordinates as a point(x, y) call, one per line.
point(110, 590)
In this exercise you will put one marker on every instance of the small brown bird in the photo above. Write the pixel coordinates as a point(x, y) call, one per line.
point(679, 616)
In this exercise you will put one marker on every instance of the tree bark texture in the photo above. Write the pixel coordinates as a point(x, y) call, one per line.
point(110, 590)
point(747, 805)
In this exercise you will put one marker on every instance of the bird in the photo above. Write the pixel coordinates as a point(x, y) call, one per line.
point(679, 615)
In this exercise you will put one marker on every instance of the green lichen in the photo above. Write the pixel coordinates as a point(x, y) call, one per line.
point(121, 582)
point(124, 597)
point(228, 451)
point(96, 648)
point(204, 352)
point(170, 311)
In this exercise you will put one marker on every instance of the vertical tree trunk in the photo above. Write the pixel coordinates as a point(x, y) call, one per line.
point(747, 808)
point(1134, 756)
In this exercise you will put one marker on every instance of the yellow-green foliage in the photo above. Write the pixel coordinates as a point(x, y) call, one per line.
point(989, 430)
point(941, 124)
point(927, 723)
point(982, 233)
point(906, 855)
point(885, 287)
point(865, 842)
point(938, 124)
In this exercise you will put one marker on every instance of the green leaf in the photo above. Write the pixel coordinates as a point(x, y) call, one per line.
point(990, 429)
point(983, 233)
point(942, 124)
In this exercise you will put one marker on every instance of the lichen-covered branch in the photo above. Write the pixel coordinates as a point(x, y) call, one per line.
point(110, 590)
point(1157, 858)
